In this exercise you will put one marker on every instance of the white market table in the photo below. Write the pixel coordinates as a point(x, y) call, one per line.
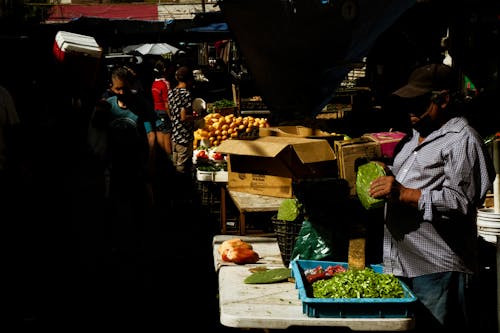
point(246, 203)
point(276, 305)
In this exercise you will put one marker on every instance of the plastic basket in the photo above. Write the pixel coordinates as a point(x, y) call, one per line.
point(350, 307)
point(286, 233)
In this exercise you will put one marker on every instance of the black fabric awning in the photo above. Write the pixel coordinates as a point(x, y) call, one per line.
point(299, 51)
point(117, 32)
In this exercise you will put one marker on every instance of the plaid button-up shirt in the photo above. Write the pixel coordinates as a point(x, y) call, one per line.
point(454, 172)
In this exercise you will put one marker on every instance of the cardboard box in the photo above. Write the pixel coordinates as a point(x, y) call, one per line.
point(269, 165)
point(300, 132)
point(387, 141)
point(349, 151)
point(293, 131)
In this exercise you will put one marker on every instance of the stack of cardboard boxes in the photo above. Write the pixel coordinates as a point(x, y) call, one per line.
point(270, 164)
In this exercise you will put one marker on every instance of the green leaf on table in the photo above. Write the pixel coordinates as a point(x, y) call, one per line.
point(269, 276)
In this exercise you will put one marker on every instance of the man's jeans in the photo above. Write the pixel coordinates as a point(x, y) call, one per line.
point(444, 300)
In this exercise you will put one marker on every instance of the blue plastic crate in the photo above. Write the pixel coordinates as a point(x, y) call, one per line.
point(350, 307)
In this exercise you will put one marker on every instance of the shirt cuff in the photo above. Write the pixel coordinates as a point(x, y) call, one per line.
point(425, 205)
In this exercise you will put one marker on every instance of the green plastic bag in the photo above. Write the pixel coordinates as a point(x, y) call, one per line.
point(366, 174)
point(312, 243)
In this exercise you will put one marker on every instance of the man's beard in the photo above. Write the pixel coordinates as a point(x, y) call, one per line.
point(425, 126)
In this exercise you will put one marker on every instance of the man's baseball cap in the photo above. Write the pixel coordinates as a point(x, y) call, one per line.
point(428, 78)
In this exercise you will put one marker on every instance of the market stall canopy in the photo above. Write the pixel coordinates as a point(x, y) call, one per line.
point(60, 13)
point(299, 51)
point(152, 49)
point(115, 32)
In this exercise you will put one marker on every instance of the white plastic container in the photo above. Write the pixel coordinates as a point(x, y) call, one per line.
point(205, 176)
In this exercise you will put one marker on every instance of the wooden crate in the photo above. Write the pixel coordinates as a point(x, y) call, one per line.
point(349, 151)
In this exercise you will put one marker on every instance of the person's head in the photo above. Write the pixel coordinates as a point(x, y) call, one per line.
point(121, 84)
point(159, 69)
point(184, 74)
point(120, 81)
point(430, 91)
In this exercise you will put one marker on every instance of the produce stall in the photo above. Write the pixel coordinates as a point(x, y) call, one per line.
point(266, 161)
point(276, 305)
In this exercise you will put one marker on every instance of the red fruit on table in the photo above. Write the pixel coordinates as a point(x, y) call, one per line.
point(202, 154)
point(217, 156)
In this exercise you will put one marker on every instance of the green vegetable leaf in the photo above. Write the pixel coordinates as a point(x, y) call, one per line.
point(223, 103)
point(269, 276)
point(289, 210)
point(366, 174)
point(359, 283)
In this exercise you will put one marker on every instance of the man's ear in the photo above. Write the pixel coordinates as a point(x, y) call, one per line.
point(441, 98)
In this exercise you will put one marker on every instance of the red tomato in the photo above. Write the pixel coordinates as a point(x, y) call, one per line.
point(202, 154)
point(217, 156)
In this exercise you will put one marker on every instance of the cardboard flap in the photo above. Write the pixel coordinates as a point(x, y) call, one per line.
point(352, 142)
point(257, 147)
point(314, 151)
point(308, 150)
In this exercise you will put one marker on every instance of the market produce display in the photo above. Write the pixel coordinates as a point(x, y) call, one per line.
point(208, 159)
point(358, 283)
point(238, 251)
point(219, 128)
point(320, 273)
point(220, 104)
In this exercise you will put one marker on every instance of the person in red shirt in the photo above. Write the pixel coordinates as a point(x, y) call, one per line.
point(159, 89)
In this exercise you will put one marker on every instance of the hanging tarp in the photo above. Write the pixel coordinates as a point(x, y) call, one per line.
point(299, 51)
point(213, 27)
point(135, 11)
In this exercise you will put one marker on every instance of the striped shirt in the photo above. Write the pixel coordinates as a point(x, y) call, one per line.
point(454, 172)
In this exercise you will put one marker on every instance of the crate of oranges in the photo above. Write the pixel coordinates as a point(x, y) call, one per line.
point(219, 128)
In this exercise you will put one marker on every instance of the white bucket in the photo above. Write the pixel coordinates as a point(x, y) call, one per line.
point(488, 224)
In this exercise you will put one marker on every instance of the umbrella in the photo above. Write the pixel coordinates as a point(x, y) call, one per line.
point(152, 48)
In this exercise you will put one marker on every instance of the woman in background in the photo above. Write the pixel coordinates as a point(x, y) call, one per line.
point(181, 113)
point(159, 91)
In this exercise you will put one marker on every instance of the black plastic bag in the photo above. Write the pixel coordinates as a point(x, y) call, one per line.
point(312, 243)
point(323, 232)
